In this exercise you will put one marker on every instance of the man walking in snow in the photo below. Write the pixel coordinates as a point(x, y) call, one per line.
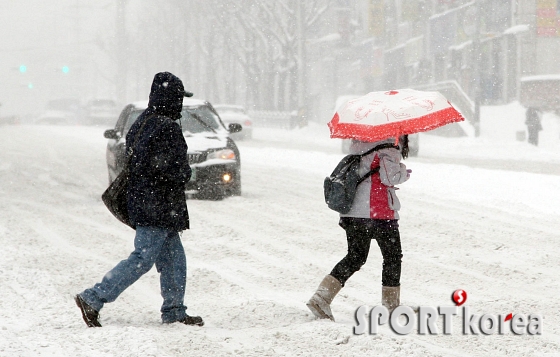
point(157, 206)
point(533, 122)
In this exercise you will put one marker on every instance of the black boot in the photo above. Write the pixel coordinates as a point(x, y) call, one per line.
point(89, 314)
point(192, 320)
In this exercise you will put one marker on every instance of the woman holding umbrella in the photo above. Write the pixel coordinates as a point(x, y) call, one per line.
point(379, 118)
point(373, 216)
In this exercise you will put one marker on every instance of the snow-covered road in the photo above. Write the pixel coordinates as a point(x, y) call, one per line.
point(254, 260)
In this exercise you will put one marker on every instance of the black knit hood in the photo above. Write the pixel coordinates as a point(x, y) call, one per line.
point(166, 95)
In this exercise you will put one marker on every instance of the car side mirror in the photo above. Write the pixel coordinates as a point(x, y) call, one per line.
point(111, 134)
point(235, 128)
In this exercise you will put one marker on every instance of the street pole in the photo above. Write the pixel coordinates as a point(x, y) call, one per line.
point(301, 63)
point(121, 52)
point(476, 68)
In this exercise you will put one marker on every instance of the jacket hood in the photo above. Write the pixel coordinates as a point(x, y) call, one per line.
point(166, 95)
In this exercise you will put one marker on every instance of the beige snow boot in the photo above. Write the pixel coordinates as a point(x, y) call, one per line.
point(320, 302)
point(391, 297)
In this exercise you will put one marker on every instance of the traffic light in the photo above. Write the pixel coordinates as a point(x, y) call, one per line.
point(65, 69)
point(23, 68)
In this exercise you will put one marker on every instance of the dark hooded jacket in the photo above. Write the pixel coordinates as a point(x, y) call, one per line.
point(159, 166)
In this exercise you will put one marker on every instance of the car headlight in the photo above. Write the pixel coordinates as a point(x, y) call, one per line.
point(225, 154)
point(227, 177)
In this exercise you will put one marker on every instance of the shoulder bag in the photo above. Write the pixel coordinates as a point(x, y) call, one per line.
point(115, 196)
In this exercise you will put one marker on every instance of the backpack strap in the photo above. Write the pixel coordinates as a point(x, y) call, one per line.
point(379, 147)
point(373, 171)
point(370, 172)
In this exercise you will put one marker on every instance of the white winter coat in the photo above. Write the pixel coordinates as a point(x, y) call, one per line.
point(375, 197)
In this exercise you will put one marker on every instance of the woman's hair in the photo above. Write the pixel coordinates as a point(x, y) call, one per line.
point(403, 142)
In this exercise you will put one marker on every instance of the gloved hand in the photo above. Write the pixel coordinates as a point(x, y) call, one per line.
point(408, 172)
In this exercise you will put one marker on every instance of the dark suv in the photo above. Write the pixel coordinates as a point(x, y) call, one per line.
point(213, 155)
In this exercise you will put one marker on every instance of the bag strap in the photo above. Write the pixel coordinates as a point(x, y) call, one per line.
point(370, 172)
point(379, 147)
point(375, 170)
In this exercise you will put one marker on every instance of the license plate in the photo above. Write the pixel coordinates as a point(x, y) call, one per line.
point(193, 173)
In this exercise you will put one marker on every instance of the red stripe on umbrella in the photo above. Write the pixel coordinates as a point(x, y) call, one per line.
point(392, 130)
point(381, 115)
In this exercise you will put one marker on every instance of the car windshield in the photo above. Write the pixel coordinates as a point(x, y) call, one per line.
point(199, 119)
point(207, 121)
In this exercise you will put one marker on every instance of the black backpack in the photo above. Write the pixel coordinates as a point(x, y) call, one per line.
point(340, 187)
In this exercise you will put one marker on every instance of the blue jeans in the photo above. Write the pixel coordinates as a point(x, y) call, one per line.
point(152, 245)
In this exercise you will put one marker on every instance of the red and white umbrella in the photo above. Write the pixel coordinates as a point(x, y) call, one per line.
point(381, 115)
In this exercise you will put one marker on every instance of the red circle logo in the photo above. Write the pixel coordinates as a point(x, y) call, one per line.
point(459, 297)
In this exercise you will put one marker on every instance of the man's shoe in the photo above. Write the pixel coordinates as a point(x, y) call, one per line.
point(89, 314)
point(192, 320)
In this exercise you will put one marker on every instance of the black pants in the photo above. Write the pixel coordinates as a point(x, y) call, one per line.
point(359, 234)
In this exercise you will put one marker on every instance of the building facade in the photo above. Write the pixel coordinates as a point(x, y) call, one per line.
point(478, 52)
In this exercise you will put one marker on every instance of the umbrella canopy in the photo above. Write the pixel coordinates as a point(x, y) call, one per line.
point(381, 115)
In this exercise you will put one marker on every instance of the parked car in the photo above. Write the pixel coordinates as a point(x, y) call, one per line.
point(55, 117)
point(236, 114)
point(213, 155)
point(101, 111)
point(64, 111)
